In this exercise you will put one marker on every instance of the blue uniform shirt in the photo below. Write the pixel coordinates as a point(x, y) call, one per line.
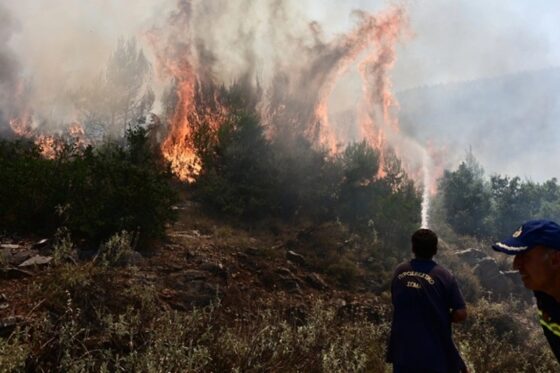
point(423, 295)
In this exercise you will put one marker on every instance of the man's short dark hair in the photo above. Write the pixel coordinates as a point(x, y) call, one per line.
point(424, 243)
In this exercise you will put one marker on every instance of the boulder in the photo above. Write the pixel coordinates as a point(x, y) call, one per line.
point(316, 281)
point(491, 277)
point(215, 268)
point(294, 257)
point(14, 273)
point(36, 261)
point(471, 256)
point(198, 294)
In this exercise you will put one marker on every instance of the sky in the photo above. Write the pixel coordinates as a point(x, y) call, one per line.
point(446, 41)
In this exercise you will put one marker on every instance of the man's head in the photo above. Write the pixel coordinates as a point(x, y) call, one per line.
point(536, 246)
point(424, 243)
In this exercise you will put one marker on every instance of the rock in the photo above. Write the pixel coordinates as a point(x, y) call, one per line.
point(215, 268)
point(193, 274)
point(491, 277)
point(292, 286)
point(9, 324)
point(471, 256)
point(37, 260)
point(198, 294)
point(131, 258)
point(316, 281)
point(253, 251)
point(288, 281)
point(247, 262)
point(42, 244)
point(282, 271)
point(14, 273)
point(16, 257)
point(295, 257)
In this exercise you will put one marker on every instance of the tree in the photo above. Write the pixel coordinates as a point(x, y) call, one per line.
point(515, 201)
point(466, 200)
point(120, 96)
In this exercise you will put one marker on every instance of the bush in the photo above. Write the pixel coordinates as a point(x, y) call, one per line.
point(501, 337)
point(237, 177)
point(200, 341)
point(93, 192)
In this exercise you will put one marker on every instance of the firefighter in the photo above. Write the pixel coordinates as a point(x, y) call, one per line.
point(426, 300)
point(536, 246)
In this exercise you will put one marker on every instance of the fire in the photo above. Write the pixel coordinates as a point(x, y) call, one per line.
point(21, 126)
point(193, 108)
point(48, 145)
point(294, 103)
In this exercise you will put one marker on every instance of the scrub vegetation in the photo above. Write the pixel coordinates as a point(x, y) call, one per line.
point(294, 246)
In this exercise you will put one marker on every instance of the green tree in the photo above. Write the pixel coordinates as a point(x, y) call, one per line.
point(514, 202)
point(236, 177)
point(466, 199)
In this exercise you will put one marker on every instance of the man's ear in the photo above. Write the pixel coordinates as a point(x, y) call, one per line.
point(555, 259)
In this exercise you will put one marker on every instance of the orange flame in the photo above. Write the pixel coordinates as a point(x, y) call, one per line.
point(49, 146)
point(382, 31)
point(21, 126)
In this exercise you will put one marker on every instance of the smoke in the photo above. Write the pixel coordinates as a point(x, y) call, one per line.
point(52, 50)
point(8, 64)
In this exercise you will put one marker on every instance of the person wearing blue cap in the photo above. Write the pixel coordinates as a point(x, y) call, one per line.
point(426, 300)
point(536, 246)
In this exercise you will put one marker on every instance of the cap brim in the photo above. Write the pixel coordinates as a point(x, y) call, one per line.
point(510, 246)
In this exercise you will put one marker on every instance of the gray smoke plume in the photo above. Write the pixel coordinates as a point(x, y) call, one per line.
point(8, 66)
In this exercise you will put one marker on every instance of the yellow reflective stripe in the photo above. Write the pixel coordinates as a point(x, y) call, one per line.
point(553, 327)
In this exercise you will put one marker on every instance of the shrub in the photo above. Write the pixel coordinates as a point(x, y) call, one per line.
point(116, 249)
point(93, 192)
point(501, 337)
point(237, 177)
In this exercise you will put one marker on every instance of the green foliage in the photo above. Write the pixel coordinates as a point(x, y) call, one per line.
point(237, 177)
point(484, 208)
point(151, 339)
point(28, 187)
point(388, 205)
point(502, 337)
point(93, 192)
point(516, 201)
point(307, 181)
point(116, 249)
point(63, 248)
point(466, 199)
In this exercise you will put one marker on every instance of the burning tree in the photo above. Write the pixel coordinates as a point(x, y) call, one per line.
point(120, 96)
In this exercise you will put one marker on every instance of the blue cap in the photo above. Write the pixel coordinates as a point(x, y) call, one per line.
point(532, 233)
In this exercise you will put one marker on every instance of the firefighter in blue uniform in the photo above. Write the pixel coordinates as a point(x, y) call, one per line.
point(426, 300)
point(536, 246)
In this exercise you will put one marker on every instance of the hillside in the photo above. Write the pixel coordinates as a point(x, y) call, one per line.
point(482, 115)
point(217, 296)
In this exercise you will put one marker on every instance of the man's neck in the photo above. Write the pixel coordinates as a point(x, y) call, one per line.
point(554, 288)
